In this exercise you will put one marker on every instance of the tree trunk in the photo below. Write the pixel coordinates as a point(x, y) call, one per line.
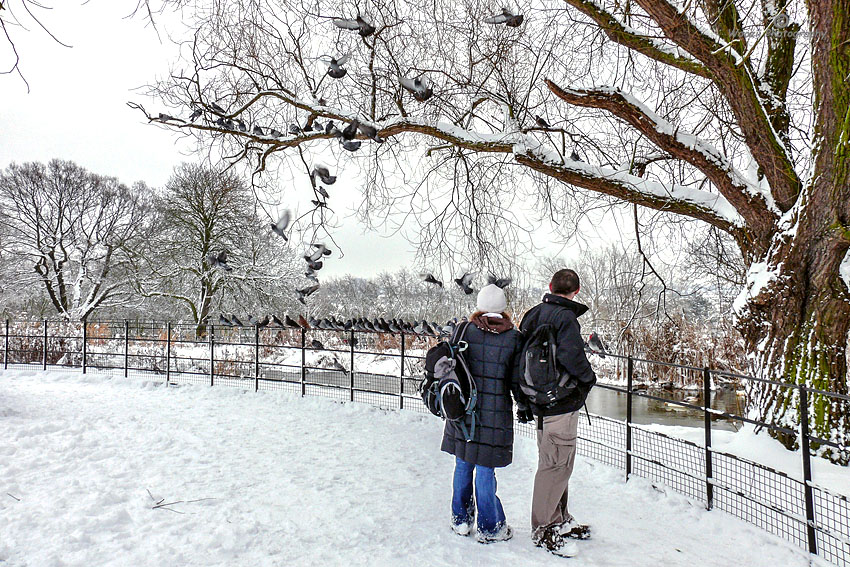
point(795, 325)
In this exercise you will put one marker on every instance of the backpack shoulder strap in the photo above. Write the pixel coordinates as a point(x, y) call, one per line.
point(461, 331)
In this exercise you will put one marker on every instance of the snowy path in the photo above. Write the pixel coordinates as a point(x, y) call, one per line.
point(292, 481)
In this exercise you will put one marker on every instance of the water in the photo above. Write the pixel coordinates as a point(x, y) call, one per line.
point(609, 403)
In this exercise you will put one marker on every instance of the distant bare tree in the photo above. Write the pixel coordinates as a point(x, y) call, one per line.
point(72, 233)
point(201, 213)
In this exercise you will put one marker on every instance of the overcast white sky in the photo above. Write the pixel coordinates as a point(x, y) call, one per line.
point(77, 110)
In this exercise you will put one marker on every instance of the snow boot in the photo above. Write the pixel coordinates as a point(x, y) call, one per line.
point(574, 530)
point(556, 544)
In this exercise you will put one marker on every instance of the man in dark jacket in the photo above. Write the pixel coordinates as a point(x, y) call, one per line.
point(551, 522)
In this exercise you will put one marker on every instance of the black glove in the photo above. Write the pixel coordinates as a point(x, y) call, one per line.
point(524, 415)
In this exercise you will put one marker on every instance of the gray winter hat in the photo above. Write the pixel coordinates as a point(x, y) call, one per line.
point(491, 299)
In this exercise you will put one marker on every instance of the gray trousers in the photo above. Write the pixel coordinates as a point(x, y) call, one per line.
point(556, 448)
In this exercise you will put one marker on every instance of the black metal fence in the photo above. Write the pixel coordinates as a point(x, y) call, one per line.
point(324, 363)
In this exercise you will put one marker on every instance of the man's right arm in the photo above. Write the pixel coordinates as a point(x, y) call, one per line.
point(571, 350)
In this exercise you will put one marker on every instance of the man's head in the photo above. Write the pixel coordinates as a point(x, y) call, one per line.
point(565, 282)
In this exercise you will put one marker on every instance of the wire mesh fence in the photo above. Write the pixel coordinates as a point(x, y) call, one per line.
point(385, 369)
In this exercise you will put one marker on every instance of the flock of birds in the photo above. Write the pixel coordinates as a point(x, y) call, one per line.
point(361, 324)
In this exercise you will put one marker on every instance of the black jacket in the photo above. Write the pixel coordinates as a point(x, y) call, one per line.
point(563, 313)
point(491, 358)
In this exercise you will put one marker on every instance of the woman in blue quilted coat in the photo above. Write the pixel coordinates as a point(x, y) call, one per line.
point(494, 350)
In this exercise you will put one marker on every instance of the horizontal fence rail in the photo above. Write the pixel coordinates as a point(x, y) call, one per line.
point(315, 362)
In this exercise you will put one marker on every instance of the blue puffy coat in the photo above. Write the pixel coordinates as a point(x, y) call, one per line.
point(492, 356)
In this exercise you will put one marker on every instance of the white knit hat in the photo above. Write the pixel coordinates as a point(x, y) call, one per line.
point(491, 299)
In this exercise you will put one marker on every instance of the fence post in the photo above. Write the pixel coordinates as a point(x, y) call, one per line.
point(401, 376)
point(807, 470)
point(256, 358)
point(44, 354)
point(6, 347)
point(168, 353)
point(303, 362)
point(709, 474)
point(126, 347)
point(629, 378)
point(85, 343)
point(212, 355)
point(351, 372)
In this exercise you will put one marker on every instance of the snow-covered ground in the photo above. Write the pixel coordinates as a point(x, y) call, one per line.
point(273, 479)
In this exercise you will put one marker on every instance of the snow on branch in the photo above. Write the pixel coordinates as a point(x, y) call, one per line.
point(626, 36)
point(756, 207)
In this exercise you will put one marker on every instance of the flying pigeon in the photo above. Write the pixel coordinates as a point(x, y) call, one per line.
point(371, 132)
point(323, 192)
point(219, 260)
point(317, 345)
point(324, 175)
point(541, 122)
point(419, 87)
point(280, 226)
point(321, 249)
point(318, 203)
point(351, 146)
point(313, 265)
point(335, 68)
point(596, 346)
point(499, 282)
point(506, 17)
point(464, 282)
point(306, 292)
point(360, 24)
point(311, 275)
point(429, 278)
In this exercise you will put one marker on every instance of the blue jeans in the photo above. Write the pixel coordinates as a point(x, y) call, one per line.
point(491, 516)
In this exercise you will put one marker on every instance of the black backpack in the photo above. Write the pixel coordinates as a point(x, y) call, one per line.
point(448, 389)
point(542, 378)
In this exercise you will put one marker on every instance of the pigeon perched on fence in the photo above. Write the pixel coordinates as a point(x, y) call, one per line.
point(263, 323)
point(302, 322)
point(222, 320)
point(596, 345)
point(219, 260)
point(290, 322)
point(429, 278)
point(359, 24)
point(420, 88)
point(277, 321)
point(506, 17)
point(236, 320)
point(324, 175)
point(464, 282)
point(317, 345)
point(335, 66)
point(335, 365)
point(279, 227)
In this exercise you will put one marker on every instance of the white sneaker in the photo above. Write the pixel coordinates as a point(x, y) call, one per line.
point(504, 534)
point(461, 529)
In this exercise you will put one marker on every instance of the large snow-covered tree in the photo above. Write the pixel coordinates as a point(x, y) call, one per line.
point(200, 213)
point(733, 113)
point(71, 233)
